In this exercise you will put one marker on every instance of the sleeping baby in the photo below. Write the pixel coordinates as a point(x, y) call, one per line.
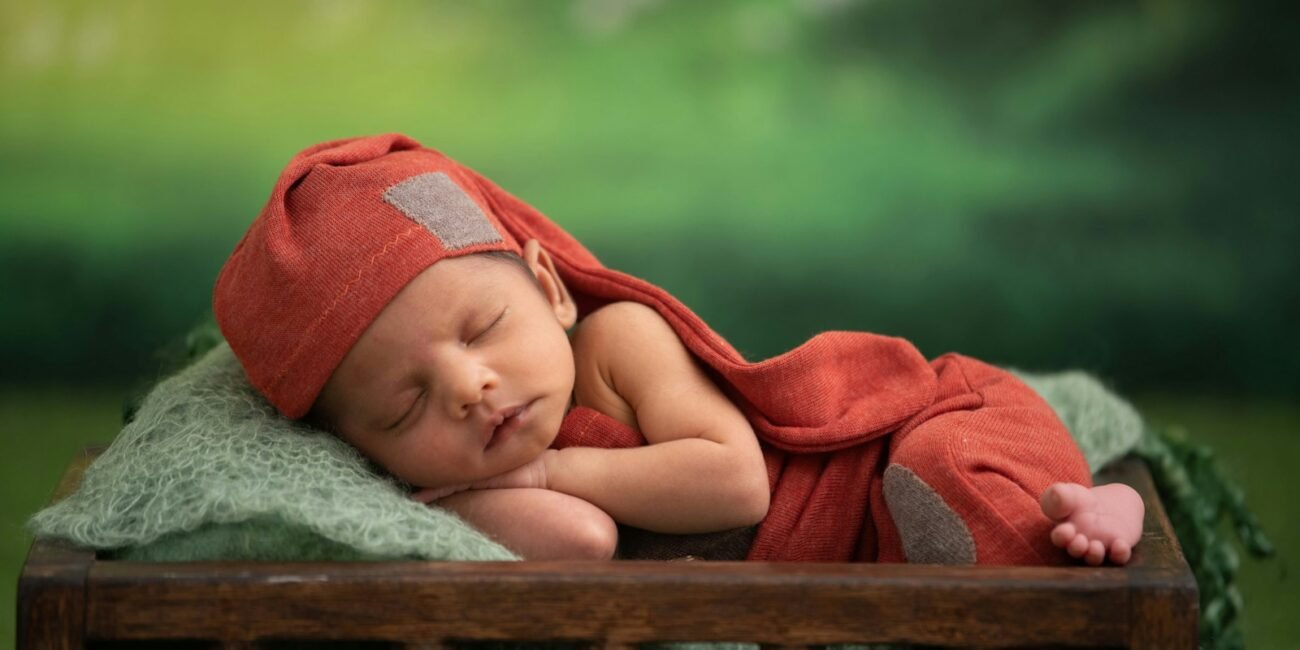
point(476, 351)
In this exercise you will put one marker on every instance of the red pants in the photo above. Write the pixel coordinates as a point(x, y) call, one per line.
point(958, 482)
point(984, 451)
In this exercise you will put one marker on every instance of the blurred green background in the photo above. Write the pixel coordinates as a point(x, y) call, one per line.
point(1101, 185)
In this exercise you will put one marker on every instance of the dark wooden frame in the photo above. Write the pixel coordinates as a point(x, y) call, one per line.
point(67, 597)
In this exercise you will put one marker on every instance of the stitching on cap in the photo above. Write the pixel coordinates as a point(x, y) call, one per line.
point(342, 292)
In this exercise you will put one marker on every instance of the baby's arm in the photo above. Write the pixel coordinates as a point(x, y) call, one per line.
point(702, 471)
point(538, 524)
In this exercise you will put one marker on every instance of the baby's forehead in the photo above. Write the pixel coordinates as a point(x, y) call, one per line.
point(464, 283)
point(500, 267)
point(440, 298)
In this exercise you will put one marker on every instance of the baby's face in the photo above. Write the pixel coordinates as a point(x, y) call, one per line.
point(466, 374)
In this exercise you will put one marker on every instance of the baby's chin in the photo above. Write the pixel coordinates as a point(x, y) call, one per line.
point(546, 428)
point(525, 451)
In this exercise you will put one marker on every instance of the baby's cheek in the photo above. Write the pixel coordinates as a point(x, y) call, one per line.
point(411, 469)
point(390, 458)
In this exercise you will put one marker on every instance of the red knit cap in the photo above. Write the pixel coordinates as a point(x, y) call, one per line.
point(349, 223)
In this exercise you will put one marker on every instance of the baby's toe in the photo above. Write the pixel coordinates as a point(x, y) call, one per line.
point(1120, 552)
point(1056, 502)
point(1096, 553)
point(1062, 534)
point(1060, 500)
point(1077, 546)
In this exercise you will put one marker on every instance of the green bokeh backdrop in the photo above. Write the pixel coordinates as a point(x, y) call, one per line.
point(1045, 185)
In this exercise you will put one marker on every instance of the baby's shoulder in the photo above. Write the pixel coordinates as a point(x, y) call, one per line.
point(622, 319)
point(618, 337)
point(605, 334)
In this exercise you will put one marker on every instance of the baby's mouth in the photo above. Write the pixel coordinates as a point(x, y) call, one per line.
point(507, 422)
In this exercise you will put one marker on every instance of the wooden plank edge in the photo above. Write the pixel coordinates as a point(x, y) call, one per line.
point(628, 602)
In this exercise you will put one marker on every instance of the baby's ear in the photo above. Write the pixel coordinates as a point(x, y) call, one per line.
point(552, 285)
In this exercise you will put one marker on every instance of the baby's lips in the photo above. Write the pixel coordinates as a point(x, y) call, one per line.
point(498, 417)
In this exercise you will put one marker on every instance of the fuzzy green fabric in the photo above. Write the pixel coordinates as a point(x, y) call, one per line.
point(208, 471)
point(1103, 425)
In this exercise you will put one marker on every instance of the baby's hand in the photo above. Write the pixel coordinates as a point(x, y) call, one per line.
point(529, 475)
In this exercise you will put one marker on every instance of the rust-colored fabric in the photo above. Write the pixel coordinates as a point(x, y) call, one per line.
point(350, 222)
point(988, 444)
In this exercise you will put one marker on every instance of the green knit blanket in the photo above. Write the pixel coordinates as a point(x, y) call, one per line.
point(207, 470)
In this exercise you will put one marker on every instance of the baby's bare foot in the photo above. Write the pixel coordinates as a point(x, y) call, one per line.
point(1096, 524)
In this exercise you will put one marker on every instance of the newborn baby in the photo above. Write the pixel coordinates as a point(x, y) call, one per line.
point(455, 337)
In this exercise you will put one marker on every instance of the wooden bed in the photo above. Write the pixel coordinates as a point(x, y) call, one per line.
point(68, 598)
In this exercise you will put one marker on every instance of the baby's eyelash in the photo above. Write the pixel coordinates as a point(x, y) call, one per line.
point(492, 324)
point(406, 414)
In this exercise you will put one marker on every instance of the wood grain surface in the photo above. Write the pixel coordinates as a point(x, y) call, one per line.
point(68, 596)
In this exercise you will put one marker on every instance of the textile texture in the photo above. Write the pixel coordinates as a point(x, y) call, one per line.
point(208, 470)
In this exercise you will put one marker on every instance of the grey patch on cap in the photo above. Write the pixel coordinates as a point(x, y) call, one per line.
point(436, 202)
point(930, 531)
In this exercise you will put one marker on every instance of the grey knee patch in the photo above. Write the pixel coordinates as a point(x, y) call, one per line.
point(930, 531)
point(436, 202)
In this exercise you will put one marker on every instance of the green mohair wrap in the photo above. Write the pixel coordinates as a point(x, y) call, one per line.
point(1104, 426)
point(207, 470)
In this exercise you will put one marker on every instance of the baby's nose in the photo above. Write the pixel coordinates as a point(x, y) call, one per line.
point(470, 389)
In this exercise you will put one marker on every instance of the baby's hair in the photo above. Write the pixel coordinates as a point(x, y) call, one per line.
point(512, 258)
point(506, 256)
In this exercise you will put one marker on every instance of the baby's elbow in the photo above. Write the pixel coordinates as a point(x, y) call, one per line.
point(750, 497)
point(746, 492)
point(754, 502)
point(594, 538)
